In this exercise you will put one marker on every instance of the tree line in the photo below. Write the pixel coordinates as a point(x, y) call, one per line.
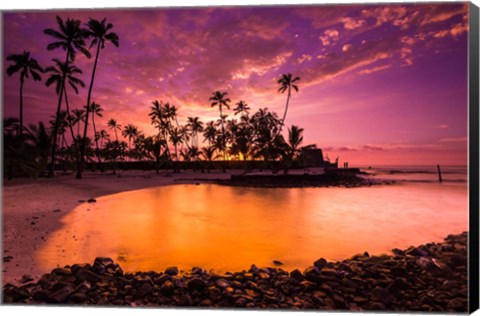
point(37, 149)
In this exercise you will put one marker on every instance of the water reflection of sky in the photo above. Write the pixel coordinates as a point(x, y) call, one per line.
point(227, 228)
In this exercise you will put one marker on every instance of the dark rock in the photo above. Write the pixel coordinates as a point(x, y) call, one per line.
point(144, 290)
point(87, 275)
point(320, 263)
point(56, 211)
point(62, 271)
point(172, 271)
point(222, 283)
point(167, 288)
point(61, 295)
point(196, 284)
point(381, 295)
point(297, 275)
point(78, 298)
point(91, 200)
point(377, 306)
point(26, 278)
point(277, 263)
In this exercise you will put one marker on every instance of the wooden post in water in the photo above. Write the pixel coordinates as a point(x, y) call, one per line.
point(439, 174)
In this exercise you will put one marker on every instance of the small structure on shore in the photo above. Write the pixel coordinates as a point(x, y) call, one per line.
point(312, 157)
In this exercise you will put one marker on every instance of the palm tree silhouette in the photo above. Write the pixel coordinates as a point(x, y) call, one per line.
point(195, 126)
point(286, 84)
point(96, 110)
point(112, 124)
point(57, 74)
point(219, 98)
point(99, 31)
point(26, 65)
point(78, 117)
point(241, 108)
point(130, 131)
point(70, 38)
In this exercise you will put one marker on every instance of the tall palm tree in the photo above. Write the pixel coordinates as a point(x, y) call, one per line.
point(26, 65)
point(100, 33)
point(195, 126)
point(70, 37)
point(112, 124)
point(220, 99)
point(57, 73)
point(286, 83)
point(96, 110)
point(176, 137)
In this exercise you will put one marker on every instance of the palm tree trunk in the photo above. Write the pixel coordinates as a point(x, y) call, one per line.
point(285, 113)
point(82, 145)
point(223, 134)
point(57, 121)
point(20, 128)
point(96, 139)
point(70, 121)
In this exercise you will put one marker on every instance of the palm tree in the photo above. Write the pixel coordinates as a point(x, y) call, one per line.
point(130, 131)
point(78, 117)
point(160, 115)
point(26, 65)
point(210, 132)
point(112, 124)
point(70, 38)
point(241, 108)
point(99, 31)
point(195, 126)
point(176, 138)
point(292, 147)
point(68, 72)
point(219, 98)
point(102, 135)
point(96, 110)
point(286, 84)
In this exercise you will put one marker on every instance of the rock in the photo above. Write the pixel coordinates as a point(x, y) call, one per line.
point(61, 295)
point(7, 259)
point(222, 283)
point(172, 271)
point(56, 211)
point(87, 275)
point(381, 295)
point(253, 269)
point(62, 271)
point(377, 306)
point(277, 263)
point(101, 263)
point(91, 200)
point(144, 290)
point(196, 284)
point(297, 275)
point(167, 288)
point(26, 278)
point(320, 263)
point(78, 298)
point(312, 274)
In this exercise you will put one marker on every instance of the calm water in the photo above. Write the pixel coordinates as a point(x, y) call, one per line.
point(227, 228)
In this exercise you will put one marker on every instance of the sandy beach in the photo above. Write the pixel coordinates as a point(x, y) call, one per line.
point(33, 208)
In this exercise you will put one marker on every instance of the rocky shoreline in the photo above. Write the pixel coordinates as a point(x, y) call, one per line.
point(430, 277)
point(333, 179)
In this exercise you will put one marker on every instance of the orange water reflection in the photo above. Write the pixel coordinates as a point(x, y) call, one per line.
point(226, 228)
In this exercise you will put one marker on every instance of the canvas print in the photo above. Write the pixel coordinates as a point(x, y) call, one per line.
point(303, 157)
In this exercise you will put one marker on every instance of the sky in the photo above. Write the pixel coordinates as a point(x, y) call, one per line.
point(380, 84)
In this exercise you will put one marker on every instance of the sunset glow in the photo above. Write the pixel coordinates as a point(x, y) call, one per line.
point(379, 84)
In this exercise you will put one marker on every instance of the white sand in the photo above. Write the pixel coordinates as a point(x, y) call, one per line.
point(27, 201)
